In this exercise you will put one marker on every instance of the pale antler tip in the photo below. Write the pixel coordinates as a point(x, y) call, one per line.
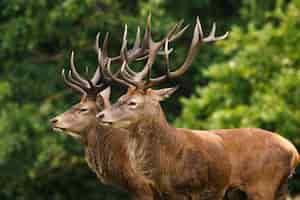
point(213, 30)
point(149, 20)
point(98, 35)
point(125, 30)
point(226, 35)
point(97, 41)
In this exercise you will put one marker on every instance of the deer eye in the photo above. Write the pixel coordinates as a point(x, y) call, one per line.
point(132, 104)
point(83, 110)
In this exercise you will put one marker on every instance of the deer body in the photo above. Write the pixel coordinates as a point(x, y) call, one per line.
point(182, 164)
point(192, 164)
point(261, 161)
point(152, 159)
point(106, 148)
point(105, 152)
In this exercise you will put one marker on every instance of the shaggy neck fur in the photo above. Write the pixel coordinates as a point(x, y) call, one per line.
point(150, 141)
point(106, 154)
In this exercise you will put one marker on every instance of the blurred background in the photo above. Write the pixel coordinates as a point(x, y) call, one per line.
point(251, 79)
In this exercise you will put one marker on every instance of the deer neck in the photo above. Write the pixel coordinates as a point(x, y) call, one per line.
point(105, 155)
point(154, 127)
point(149, 140)
point(98, 136)
point(88, 136)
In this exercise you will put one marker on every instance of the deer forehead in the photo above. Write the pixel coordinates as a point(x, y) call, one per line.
point(131, 96)
point(86, 104)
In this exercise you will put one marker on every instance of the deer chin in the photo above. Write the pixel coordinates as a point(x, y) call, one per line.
point(118, 124)
point(58, 129)
point(121, 124)
point(74, 135)
point(65, 131)
point(104, 123)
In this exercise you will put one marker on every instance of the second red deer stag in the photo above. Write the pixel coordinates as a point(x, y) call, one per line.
point(194, 164)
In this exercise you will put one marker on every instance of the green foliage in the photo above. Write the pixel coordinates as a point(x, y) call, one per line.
point(257, 85)
point(252, 79)
point(257, 82)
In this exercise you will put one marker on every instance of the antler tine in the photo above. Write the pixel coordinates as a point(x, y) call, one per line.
point(179, 32)
point(167, 57)
point(72, 85)
point(97, 75)
point(154, 47)
point(103, 57)
point(148, 49)
point(105, 45)
point(198, 39)
point(76, 74)
point(212, 37)
point(147, 35)
point(124, 51)
point(127, 77)
point(97, 41)
point(137, 42)
point(72, 80)
point(159, 53)
point(125, 55)
point(85, 86)
point(93, 90)
point(108, 71)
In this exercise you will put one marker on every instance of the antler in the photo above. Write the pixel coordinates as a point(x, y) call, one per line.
point(197, 41)
point(99, 81)
point(149, 49)
point(84, 86)
point(137, 79)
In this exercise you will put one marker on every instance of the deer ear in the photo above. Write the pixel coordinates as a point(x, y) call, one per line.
point(163, 93)
point(102, 98)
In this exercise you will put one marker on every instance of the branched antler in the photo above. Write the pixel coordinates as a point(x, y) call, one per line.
point(142, 49)
point(147, 49)
point(86, 87)
point(143, 78)
point(197, 41)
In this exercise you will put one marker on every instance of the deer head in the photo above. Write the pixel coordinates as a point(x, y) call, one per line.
point(94, 97)
point(141, 103)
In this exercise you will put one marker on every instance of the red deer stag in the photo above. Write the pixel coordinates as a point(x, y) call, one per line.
point(105, 148)
point(194, 164)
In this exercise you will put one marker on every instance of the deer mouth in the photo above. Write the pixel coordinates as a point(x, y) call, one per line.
point(106, 123)
point(66, 131)
point(59, 129)
point(118, 124)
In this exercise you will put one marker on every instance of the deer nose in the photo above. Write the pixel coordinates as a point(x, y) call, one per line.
point(53, 121)
point(100, 115)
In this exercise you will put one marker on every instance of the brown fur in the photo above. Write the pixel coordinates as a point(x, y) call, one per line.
point(189, 164)
point(261, 161)
point(106, 149)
